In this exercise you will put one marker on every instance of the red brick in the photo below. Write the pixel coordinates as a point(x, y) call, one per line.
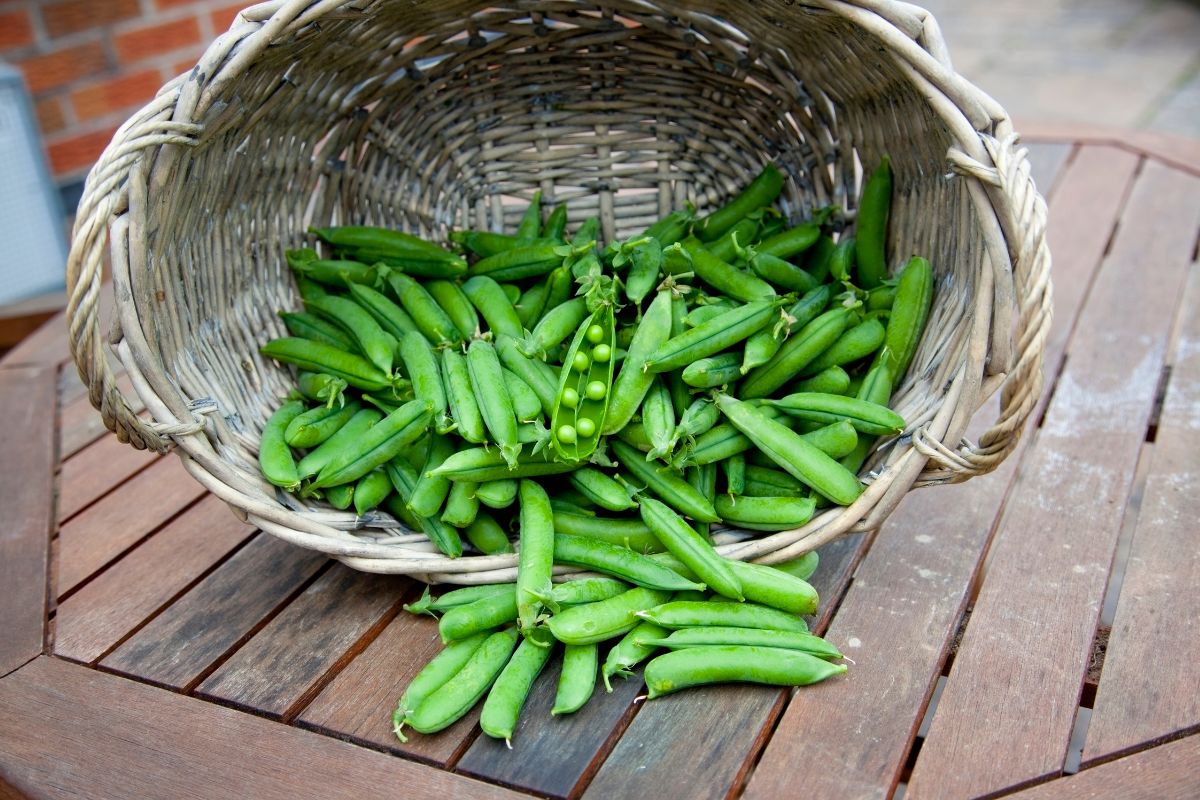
point(161, 4)
point(115, 94)
point(60, 67)
point(50, 115)
point(74, 153)
point(151, 40)
point(71, 16)
point(222, 18)
point(16, 29)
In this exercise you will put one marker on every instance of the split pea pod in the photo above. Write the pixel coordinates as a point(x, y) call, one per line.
point(796, 353)
point(459, 694)
point(601, 489)
point(460, 397)
point(633, 381)
point(717, 334)
point(871, 228)
point(493, 304)
point(631, 534)
point(910, 312)
point(700, 666)
point(314, 461)
point(765, 513)
point(317, 424)
point(371, 490)
point(434, 675)
point(274, 457)
point(426, 314)
point(507, 696)
point(865, 416)
point(379, 444)
point(577, 680)
point(859, 342)
point(536, 552)
point(667, 483)
point(491, 394)
point(691, 614)
point(725, 277)
point(751, 637)
point(682, 541)
point(792, 452)
point(761, 191)
point(584, 387)
point(450, 297)
point(422, 366)
point(321, 357)
point(595, 622)
point(486, 535)
point(617, 561)
point(310, 326)
point(404, 481)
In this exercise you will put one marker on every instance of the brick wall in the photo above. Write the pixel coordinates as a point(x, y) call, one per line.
point(90, 63)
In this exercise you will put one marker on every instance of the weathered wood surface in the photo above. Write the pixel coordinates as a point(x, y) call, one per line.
point(96, 470)
point(27, 403)
point(1168, 772)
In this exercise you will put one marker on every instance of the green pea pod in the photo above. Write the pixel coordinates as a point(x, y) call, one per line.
point(633, 381)
point(430, 491)
point(828, 408)
point(404, 480)
point(460, 397)
point(531, 220)
point(871, 228)
point(618, 561)
point(792, 452)
point(783, 274)
point(628, 533)
point(577, 680)
point(720, 442)
point(667, 483)
point(584, 387)
point(532, 303)
point(371, 490)
point(735, 239)
point(761, 191)
point(735, 475)
point(487, 243)
point(491, 394)
point(539, 375)
point(698, 418)
point(554, 327)
point(762, 347)
point(461, 505)
point(703, 479)
point(395, 243)
point(760, 584)
point(658, 418)
point(808, 307)
point(586, 590)
point(724, 277)
point(768, 482)
point(796, 353)
point(310, 326)
point(450, 297)
point(765, 513)
point(633, 649)
point(715, 335)
point(791, 242)
point(857, 343)
point(536, 553)
point(486, 535)
point(691, 614)
point(681, 396)
point(503, 705)
point(349, 433)
point(748, 637)
point(378, 445)
point(595, 622)
point(391, 317)
point(559, 287)
point(556, 223)
point(700, 666)
point(452, 700)
point(831, 380)
point(910, 312)
point(524, 400)
point(426, 314)
point(369, 337)
point(490, 300)
point(802, 567)
point(707, 373)
point(340, 497)
point(686, 544)
point(876, 388)
point(841, 263)
point(321, 357)
point(645, 263)
point(497, 494)
point(834, 440)
point(330, 272)
point(309, 289)
point(882, 297)
point(422, 365)
point(701, 314)
point(480, 464)
point(816, 260)
point(601, 489)
point(527, 261)
point(672, 228)
point(316, 425)
point(274, 457)
point(322, 388)
point(434, 675)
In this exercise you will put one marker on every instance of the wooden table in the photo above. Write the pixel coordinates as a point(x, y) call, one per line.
point(1036, 631)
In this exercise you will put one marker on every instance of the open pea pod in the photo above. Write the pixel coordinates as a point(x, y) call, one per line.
point(584, 386)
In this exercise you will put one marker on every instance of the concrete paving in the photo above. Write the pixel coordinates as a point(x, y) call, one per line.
point(1113, 63)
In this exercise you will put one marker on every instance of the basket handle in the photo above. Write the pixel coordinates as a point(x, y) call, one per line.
point(1023, 217)
point(105, 199)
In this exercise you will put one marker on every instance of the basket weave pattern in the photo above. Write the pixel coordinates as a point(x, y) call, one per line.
point(430, 115)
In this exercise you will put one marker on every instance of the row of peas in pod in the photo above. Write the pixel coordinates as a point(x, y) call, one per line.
point(603, 405)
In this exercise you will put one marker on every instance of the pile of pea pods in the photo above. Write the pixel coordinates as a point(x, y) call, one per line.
point(601, 407)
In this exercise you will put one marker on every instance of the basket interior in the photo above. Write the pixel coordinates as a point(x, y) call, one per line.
point(429, 115)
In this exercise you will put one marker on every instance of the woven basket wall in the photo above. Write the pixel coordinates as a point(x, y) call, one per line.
point(434, 114)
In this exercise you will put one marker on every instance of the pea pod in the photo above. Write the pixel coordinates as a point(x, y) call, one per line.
point(486, 535)
point(460, 397)
point(725, 277)
point(783, 274)
point(556, 223)
point(459, 694)
point(667, 483)
point(876, 388)
point(760, 584)
point(378, 445)
point(672, 228)
point(633, 381)
point(391, 317)
point(792, 452)
point(720, 442)
point(323, 388)
point(532, 303)
point(371, 340)
point(797, 352)
point(882, 297)
point(427, 604)
point(485, 613)
point(422, 366)
point(274, 458)
point(703, 479)
point(539, 375)
point(497, 494)
point(698, 418)
point(682, 541)
point(871, 228)
point(487, 243)
point(577, 680)
point(434, 675)
point(395, 243)
point(859, 342)
point(595, 622)
point(816, 261)
point(525, 401)
point(634, 648)
point(620, 562)
point(715, 335)
point(370, 491)
point(317, 424)
point(310, 326)
point(522, 262)
point(503, 705)
point(699, 666)
point(691, 614)
point(841, 263)
point(531, 220)
point(559, 287)
point(481, 464)
point(735, 475)
point(628, 533)
point(536, 552)
point(309, 289)
point(426, 314)
point(330, 272)
point(768, 482)
point(829, 408)
point(450, 297)
point(736, 238)
point(658, 418)
point(404, 480)
point(707, 373)
point(555, 326)
point(491, 394)
point(791, 242)
point(601, 489)
point(701, 314)
point(584, 387)
point(761, 191)
point(586, 590)
point(645, 263)
point(831, 380)
point(765, 513)
point(802, 567)
point(808, 307)
point(320, 357)
point(910, 312)
point(751, 637)
point(349, 433)
point(489, 299)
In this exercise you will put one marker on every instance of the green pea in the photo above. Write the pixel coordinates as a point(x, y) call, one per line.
point(595, 334)
point(595, 391)
point(570, 397)
point(601, 353)
point(580, 361)
point(585, 427)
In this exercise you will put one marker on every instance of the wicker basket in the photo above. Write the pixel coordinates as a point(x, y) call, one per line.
point(430, 114)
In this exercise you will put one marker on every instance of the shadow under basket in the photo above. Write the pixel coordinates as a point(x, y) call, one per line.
point(432, 115)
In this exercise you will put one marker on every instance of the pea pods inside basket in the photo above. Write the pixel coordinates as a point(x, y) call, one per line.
point(610, 407)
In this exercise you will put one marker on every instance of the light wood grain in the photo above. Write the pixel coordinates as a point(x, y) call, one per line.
point(80, 423)
point(1046, 162)
point(67, 731)
point(280, 663)
point(1169, 771)
point(106, 529)
point(1024, 655)
point(92, 620)
point(200, 628)
point(96, 470)
point(27, 407)
point(1149, 686)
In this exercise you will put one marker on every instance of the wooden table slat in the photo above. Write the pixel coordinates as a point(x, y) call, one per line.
point(1150, 684)
point(105, 530)
point(1169, 771)
point(89, 622)
point(1025, 652)
point(1046, 163)
point(96, 470)
point(196, 631)
point(27, 405)
point(81, 424)
point(904, 606)
point(132, 740)
point(277, 667)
